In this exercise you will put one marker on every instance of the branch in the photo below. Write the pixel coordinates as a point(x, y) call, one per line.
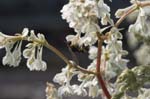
point(132, 9)
point(99, 76)
point(65, 59)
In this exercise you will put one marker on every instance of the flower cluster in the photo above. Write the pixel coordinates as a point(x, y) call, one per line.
point(83, 15)
point(112, 54)
point(33, 53)
point(88, 86)
point(13, 45)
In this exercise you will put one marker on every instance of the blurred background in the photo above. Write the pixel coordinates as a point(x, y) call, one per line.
point(43, 16)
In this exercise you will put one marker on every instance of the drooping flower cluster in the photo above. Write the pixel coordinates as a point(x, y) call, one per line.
point(13, 45)
point(33, 53)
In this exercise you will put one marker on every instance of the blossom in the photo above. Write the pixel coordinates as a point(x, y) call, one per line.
point(93, 88)
point(12, 44)
point(102, 11)
point(120, 12)
point(79, 90)
point(61, 78)
point(51, 92)
point(74, 39)
point(140, 28)
point(83, 17)
point(65, 75)
point(33, 53)
point(65, 90)
point(12, 58)
point(143, 54)
point(92, 52)
point(112, 55)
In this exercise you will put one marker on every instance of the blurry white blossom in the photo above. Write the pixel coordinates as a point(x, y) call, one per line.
point(140, 29)
point(51, 92)
point(93, 88)
point(79, 90)
point(143, 54)
point(93, 52)
point(65, 90)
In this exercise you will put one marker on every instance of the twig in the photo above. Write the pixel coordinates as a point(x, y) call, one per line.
point(99, 76)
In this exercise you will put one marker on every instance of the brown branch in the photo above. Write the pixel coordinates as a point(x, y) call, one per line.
point(132, 9)
point(99, 76)
point(65, 59)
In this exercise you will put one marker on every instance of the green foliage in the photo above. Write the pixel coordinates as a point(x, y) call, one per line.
point(131, 80)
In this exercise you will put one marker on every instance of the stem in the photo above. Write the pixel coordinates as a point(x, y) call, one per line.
point(99, 76)
point(66, 60)
point(57, 52)
point(132, 9)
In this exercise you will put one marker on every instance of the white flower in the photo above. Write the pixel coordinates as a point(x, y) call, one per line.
point(120, 12)
point(65, 76)
point(13, 48)
point(112, 55)
point(93, 87)
point(35, 63)
point(102, 11)
point(33, 53)
point(132, 40)
point(51, 92)
point(65, 90)
point(74, 39)
point(17, 54)
point(25, 32)
point(61, 78)
point(93, 52)
point(6, 39)
point(8, 58)
point(141, 26)
point(90, 27)
point(79, 90)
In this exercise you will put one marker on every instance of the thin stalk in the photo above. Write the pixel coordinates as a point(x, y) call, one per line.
point(131, 10)
point(99, 76)
point(125, 15)
point(65, 59)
